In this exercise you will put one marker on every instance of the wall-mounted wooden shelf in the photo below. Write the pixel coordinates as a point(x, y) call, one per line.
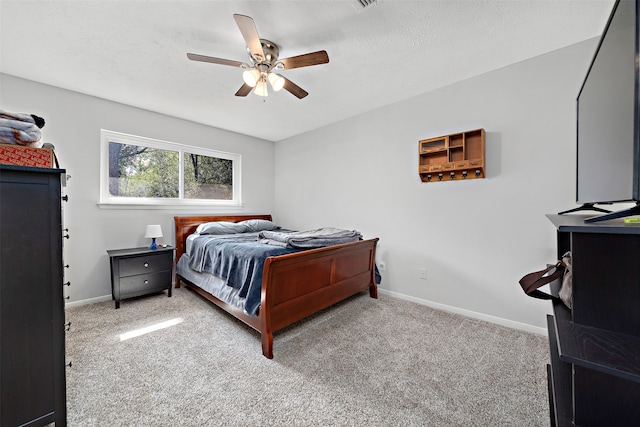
point(452, 157)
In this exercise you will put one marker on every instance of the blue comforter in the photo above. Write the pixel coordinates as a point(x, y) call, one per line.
point(239, 259)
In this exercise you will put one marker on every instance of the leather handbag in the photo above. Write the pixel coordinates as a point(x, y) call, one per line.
point(562, 268)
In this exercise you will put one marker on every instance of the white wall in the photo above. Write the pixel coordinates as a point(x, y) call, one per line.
point(476, 238)
point(73, 123)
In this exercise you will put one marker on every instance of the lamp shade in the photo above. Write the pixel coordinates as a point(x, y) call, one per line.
point(277, 82)
point(251, 77)
point(153, 231)
point(261, 88)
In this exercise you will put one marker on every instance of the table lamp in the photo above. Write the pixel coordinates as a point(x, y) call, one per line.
point(153, 231)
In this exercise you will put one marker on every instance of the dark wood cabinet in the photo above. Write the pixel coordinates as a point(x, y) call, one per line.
point(594, 375)
point(140, 271)
point(32, 354)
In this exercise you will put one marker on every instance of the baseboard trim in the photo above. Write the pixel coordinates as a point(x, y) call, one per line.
point(87, 301)
point(436, 305)
point(468, 313)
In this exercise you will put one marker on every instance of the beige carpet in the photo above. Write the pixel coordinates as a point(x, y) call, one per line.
point(363, 362)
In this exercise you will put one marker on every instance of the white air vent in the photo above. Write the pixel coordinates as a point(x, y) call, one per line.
point(365, 3)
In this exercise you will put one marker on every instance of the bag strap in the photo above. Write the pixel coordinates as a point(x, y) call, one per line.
point(532, 281)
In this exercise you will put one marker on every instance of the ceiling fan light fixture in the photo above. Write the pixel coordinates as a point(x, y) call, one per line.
point(261, 88)
point(251, 77)
point(277, 82)
point(264, 56)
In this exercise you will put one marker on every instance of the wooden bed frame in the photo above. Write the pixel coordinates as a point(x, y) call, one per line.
point(295, 285)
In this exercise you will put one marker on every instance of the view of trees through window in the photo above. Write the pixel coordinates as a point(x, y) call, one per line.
point(207, 177)
point(139, 171)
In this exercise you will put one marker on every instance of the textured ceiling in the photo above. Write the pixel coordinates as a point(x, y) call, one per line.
point(134, 51)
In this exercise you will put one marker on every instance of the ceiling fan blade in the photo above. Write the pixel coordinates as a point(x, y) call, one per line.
point(244, 90)
point(250, 34)
point(306, 60)
point(202, 58)
point(294, 88)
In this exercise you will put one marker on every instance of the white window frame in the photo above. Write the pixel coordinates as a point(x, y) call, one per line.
point(107, 136)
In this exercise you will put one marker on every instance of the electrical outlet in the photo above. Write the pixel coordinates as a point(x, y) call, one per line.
point(423, 273)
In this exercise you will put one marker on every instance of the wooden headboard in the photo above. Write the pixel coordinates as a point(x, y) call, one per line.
point(186, 225)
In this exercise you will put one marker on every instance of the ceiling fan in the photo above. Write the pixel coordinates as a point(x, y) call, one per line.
point(264, 61)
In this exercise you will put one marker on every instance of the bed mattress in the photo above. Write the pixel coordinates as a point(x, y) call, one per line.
point(216, 286)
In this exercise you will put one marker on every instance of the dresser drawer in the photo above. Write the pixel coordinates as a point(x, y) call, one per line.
point(144, 264)
point(143, 283)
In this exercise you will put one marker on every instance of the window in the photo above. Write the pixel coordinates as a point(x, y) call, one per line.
point(137, 170)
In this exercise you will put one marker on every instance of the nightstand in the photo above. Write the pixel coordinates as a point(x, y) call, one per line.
point(140, 271)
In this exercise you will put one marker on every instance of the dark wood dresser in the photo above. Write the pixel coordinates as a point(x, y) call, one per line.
point(594, 374)
point(32, 353)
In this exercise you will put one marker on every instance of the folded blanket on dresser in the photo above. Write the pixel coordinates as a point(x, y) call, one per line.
point(317, 238)
point(20, 129)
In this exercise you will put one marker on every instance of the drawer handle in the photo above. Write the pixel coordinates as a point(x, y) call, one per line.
point(146, 282)
point(146, 265)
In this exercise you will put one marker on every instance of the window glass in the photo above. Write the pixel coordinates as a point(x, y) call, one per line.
point(207, 177)
point(137, 170)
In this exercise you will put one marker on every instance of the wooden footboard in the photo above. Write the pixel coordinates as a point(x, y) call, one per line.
point(295, 285)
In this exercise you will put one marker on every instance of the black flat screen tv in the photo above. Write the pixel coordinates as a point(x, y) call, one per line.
point(608, 144)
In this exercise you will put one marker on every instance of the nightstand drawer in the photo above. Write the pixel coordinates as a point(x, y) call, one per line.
point(149, 282)
point(144, 264)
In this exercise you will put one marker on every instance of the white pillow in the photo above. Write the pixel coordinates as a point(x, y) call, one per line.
point(221, 227)
point(255, 225)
